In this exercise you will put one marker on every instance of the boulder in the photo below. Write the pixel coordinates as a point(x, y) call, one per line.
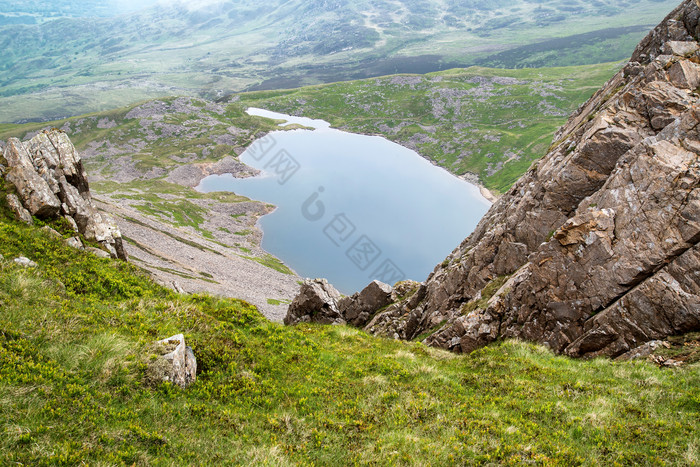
point(25, 262)
point(317, 302)
point(16, 207)
point(680, 48)
point(685, 74)
point(361, 306)
point(34, 192)
point(174, 362)
point(50, 180)
point(75, 242)
point(643, 351)
point(51, 232)
point(97, 252)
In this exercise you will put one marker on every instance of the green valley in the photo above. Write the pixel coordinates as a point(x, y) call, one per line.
point(75, 65)
point(154, 99)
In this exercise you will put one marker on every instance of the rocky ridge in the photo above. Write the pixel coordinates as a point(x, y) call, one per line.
point(48, 176)
point(594, 251)
point(320, 302)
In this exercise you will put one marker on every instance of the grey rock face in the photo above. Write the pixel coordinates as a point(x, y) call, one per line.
point(319, 302)
point(97, 252)
point(35, 193)
point(594, 251)
point(176, 363)
point(74, 242)
point(361, 306)
point(48, 175)
point(643, 351)
point(16, 206)
point(316, 302)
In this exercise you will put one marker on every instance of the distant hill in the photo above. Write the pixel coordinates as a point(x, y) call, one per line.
point(79, 64)
point(39, 11)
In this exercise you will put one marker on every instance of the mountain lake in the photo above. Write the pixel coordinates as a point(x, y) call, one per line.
point(353, 208)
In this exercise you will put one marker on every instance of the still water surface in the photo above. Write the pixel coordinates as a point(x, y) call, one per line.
point(353, 208)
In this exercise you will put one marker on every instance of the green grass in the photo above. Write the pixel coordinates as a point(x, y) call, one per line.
point(274, 301)
point(75, 335)
point(270, 262)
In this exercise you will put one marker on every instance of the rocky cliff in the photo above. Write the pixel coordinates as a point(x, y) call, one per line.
point(50, 182)
point(594, 251)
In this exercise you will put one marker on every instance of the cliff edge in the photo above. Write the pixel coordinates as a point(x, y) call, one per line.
point(594, 251)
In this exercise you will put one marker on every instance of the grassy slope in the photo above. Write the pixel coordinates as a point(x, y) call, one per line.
point(491, 122)
point(74, 339)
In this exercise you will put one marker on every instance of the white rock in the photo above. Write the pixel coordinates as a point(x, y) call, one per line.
point(177, 365)
point(25, 262)
point(75, 242)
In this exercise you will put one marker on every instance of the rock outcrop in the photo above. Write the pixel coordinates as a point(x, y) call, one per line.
point(320, 302)
point(317, 302)
point(175, 363)
point(50, 181)
point(18, 209)
point(361, 306)
point(594, 251)
point(643, 351)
